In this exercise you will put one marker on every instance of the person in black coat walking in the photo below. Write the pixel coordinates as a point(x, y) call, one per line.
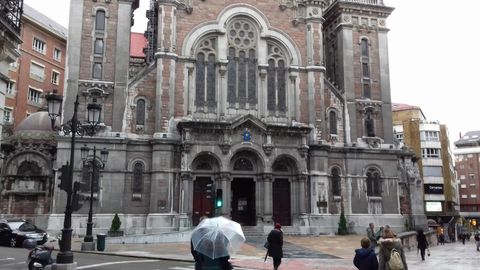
point(422, 243)
point(275, 245)
point(365, 258)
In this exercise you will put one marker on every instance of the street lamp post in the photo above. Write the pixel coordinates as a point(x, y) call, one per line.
point(73, 127)
point(103, 160)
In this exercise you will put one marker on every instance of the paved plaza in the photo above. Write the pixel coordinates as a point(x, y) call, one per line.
point(307, 252)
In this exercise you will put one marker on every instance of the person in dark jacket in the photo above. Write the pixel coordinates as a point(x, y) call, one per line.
point(387, 243)
point(365, 258)
point(422, 243)
point(275, 245)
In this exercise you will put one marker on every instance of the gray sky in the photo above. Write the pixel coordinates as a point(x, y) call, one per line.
point(433, 52)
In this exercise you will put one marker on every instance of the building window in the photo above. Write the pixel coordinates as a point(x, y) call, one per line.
point(276, 80)
point(242, 64)
point(369, 124)
point(463, 186)
point(336, 182)
point(55, 77)
point(34, 95)
point(205, 78)
point(365, 60)
point(98, 48)
point(7, 115)
point(432, 136)
point(430, 153)
point(97, 70)
point(39, 46)
point(140, 113)
point(473, 195)
point(472, 176)
point(100, 20)
point(87, 177)
point(57, 54)
point(332, 117)
point(464, 196)
point(37, 71)
point(399, 136)
point(473, 185)
point(373, 182)
point(10, 87)
point(137, 183)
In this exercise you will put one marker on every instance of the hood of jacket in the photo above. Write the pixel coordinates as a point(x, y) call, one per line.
point(390, 243)
point(364, 252)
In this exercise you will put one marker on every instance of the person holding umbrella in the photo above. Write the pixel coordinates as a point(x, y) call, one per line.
point(275, 245)
point(212, 242)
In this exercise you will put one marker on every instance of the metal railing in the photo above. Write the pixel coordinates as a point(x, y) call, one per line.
point(11, 13)
point(368, 2)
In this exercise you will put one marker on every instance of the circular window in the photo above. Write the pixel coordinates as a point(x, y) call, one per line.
point(242, 34)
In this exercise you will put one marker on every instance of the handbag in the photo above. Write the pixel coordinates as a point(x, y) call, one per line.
point(266, 245)
point(428, 252)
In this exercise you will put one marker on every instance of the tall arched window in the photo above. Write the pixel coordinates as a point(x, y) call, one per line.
point(373, 182)
point(205, 75)
point(140, 112)
point(369, 124)
point(332, 117)
point(336, 182)
point(242, 64)
point(100, 20)
point(137, 183)
point(365, 60)
point(276, 80)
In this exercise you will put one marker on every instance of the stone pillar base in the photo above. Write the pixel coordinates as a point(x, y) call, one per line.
point(69, 266)
point(88, 246)
point(183, 221)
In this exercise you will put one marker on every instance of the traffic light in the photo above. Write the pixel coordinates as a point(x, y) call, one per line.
point(76, 205)
point(64, 177)
point(219, 198)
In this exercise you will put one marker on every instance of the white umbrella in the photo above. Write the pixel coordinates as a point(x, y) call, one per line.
point(217, 237)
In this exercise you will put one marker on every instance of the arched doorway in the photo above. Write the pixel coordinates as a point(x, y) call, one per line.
point(244, 167)
point(283, 173)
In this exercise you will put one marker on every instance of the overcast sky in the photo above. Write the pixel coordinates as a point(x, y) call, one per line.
point(433, 49)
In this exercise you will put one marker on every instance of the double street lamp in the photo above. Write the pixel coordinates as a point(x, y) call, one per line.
point(73, 127)
point(85, 150)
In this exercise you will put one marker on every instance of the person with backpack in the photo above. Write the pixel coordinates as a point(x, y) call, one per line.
point(477, 240)
point(422, 243)
point(391, 255)
point(365, 258)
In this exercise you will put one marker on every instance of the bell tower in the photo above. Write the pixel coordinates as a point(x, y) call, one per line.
point(98, 57)
point(356, 52)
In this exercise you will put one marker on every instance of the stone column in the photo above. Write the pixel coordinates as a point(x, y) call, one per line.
point(186, 197)
point(267, 198)
point(302, 179)
point(225, 185)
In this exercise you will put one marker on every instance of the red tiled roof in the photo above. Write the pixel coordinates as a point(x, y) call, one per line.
point(137, 43)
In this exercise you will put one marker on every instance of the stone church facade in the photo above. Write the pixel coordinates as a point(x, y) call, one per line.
point(284, 105)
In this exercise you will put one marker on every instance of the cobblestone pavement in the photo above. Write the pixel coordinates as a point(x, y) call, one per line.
point(307, 253)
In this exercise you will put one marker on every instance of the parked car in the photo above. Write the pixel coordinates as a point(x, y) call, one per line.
point(14, 231)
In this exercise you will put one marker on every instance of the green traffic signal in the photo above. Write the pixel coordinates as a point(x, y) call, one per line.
point(219, 198)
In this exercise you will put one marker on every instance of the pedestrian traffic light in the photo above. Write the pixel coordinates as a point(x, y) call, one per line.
point(64, 177)
point(219, 198)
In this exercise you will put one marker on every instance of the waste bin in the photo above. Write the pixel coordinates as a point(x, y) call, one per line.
point(101, 241)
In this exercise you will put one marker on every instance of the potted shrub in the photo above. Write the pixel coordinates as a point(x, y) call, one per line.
point(115, 227)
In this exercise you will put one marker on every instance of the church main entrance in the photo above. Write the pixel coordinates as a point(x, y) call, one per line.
point(243, 201)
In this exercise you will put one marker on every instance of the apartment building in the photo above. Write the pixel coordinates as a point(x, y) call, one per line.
point(10, 23)
point(429, 140)
point(467, 164)
point(39, 69)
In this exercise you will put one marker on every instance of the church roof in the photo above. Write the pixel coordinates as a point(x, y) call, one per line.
point(39, 121)
point(137, 42)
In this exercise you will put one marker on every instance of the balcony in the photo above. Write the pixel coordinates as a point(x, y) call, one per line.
point(11, 15)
